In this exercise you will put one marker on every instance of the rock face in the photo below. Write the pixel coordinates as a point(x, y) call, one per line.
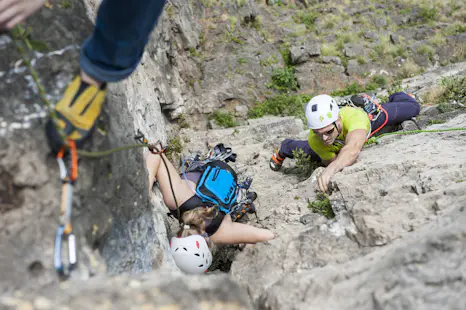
point(111, 211)
point(151, 291)
point(403, 193)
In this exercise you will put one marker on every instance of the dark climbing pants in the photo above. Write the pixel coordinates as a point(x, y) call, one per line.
point(120, 35)
point(400, 107)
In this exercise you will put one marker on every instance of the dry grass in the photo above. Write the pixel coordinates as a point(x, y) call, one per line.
point(433, 95)
point(330, 49)
point(409, 69)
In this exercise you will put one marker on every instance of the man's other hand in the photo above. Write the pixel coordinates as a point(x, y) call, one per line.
point(12, 12)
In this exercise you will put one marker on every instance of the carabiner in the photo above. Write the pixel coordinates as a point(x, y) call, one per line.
point(60, 238)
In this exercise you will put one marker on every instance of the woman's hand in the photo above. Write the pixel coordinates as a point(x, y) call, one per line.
point(13, 12)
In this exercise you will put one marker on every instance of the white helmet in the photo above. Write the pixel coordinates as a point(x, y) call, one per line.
point(191, 254)
point(321, 111)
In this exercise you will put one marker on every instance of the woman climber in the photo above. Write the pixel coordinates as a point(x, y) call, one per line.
point(201, 225)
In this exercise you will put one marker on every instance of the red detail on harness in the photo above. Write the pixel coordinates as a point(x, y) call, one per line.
point(379, 106)
point(197, 244)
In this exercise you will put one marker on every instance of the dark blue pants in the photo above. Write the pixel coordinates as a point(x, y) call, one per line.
point(400, 107)
point(120, 35)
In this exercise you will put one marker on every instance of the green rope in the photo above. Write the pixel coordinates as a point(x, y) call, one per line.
point(20, 36)
point(411, 132)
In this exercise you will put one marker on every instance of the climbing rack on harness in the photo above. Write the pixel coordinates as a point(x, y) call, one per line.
point(366, 102)
point(64, 233)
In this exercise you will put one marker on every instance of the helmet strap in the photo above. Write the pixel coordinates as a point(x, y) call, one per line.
point(336, 126)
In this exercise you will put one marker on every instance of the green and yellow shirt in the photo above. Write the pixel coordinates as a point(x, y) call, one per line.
point(351, 119)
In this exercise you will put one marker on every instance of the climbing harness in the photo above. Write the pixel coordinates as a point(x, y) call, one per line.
point(64, 233)
point(370, 105)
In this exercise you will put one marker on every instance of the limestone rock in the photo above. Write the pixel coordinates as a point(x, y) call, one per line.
point(331, 59)
point(354, 50)
point(300, 54)
point(325, 77)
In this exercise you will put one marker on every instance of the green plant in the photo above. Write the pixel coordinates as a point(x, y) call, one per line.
point(269, 61)
point(281, 105)
point(25, 32)
point(283, 80)
point(322, 205)
point(408, 69)
point(242, 60)
point(65, 4)
point(304, 163)
point(193, 52)
point(454, 89)
point(181, 120)
point(175, 146)
point(436, 121)
point(223, 119)
point(396, 87)
point(286, 55)
point(361, 60)
point(330, 50)
point(427, 13)
point(349, 89)
point(380, 80)
point(253, 21)
point(207, 3)
point(307, 18)
point(426, 50)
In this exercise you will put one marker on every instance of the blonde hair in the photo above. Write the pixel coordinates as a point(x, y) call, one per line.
point(195, 222)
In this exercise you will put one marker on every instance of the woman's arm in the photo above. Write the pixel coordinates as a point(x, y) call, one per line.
point(234, 233)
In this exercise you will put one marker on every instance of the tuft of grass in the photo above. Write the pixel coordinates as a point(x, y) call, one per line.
point(304, 163)
point(281, 105)
point(175, 146)
point(330, 50)
point(283, 80)
point(426, 50)
point(377, 81)
point(361, 60)
point(307, 18)
point(253, 21)
point(454, 89)
point(322, 206)
point(427, 14)
point(436, 121)
point(223, 119)
point(437, 40)
point(453, 29)
point(349, 89)
point(65, 4)
point(242, 60)
point(408, 69)
point(269, 61)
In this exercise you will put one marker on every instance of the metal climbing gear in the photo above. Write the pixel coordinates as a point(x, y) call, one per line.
point(155, 148)
point(64, 233)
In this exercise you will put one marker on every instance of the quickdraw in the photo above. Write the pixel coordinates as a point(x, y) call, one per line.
point(65, 229)
point(140, 137)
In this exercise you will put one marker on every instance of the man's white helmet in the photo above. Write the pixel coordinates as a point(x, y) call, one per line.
point(191, 254)
point(321, 111)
